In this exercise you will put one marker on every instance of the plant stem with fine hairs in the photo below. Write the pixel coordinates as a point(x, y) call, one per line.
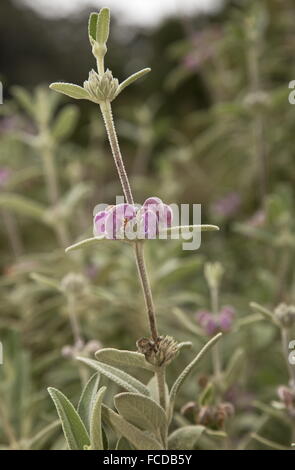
point(139, 250)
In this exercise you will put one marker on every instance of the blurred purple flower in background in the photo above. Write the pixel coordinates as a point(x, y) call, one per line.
point(116, 222)
point(5, 174)
point(212, 324)
point(204, 47)
point(228, 205)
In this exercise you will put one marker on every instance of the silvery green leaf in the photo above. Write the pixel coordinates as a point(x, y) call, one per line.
point(234, 368)
point(143, 412)
point(152, 385)
point(119, 358)
point(25, 100)
point(96, 436)
point(123, 444)
point(87, 243)
point(185, 344)
point(22, 206)
point(76, 194)
point(187, 229)
point(268, 442)
point(206, 395)
point(121, 378)
point(73, 427)
point(38, 440)
point(139, 439)
point(132, 79)
point(92, 26)
point(87, 399)
point(185, 438)
point(186, 322)
point(65, 122)
point(268, 314)
point(71, 90)
point(181, 378)
point(103, 26)
point(45, 280)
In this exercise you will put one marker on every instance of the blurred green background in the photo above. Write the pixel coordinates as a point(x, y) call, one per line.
point(210, 124)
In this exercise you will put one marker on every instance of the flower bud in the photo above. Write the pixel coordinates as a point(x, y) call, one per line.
point(285, 314)
point(74, 284)
point(101, 87)
point(213, 274)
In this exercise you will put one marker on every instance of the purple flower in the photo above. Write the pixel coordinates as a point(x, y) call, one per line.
point(212, 324)
point(127, 220)
point(228, 205)
point(5, 174)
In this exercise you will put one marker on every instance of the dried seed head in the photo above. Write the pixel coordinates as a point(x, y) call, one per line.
point(101, 87)
point(285, 314)
point(160, 352)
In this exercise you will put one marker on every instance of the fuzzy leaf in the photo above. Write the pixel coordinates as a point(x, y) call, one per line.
point(132, 79)
point(152, 385)
point(96, 436)
point(22, 205)
point(103, 26)
point(87, 399)
point(143, 412)
point(87, 243)
point(25, 100)
point(119, 358)
point(234, 368)
point(92, 26)
point(65, 122)
point(121, 378)
point(139, 439)
point(185, 438)
point(123, 444)
point(181, 378)
point(73, 427)
point(45, 281)
point(71, 90)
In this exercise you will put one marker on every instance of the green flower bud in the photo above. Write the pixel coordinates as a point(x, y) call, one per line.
point(101, 87)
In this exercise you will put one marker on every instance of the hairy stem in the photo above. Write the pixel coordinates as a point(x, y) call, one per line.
point(216, 357)
point(53, 189)
point(139, 251)
point(161, 380)
point(112, 135)
point(285, 348)
point(145, 283)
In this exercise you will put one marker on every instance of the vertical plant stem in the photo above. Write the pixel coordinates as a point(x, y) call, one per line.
point(112, 135)
point(259, 150)
point(53, 189)
point(146, 288)
point(161, 379)
point(78, 341)
point(285, 348)
point(216, 357)
point(10, 223)
point(139, 251)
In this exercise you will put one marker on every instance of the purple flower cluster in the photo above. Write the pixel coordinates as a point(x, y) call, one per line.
point(5, 174)
point(128, 221)
point(228, 205)
point(212, 324)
